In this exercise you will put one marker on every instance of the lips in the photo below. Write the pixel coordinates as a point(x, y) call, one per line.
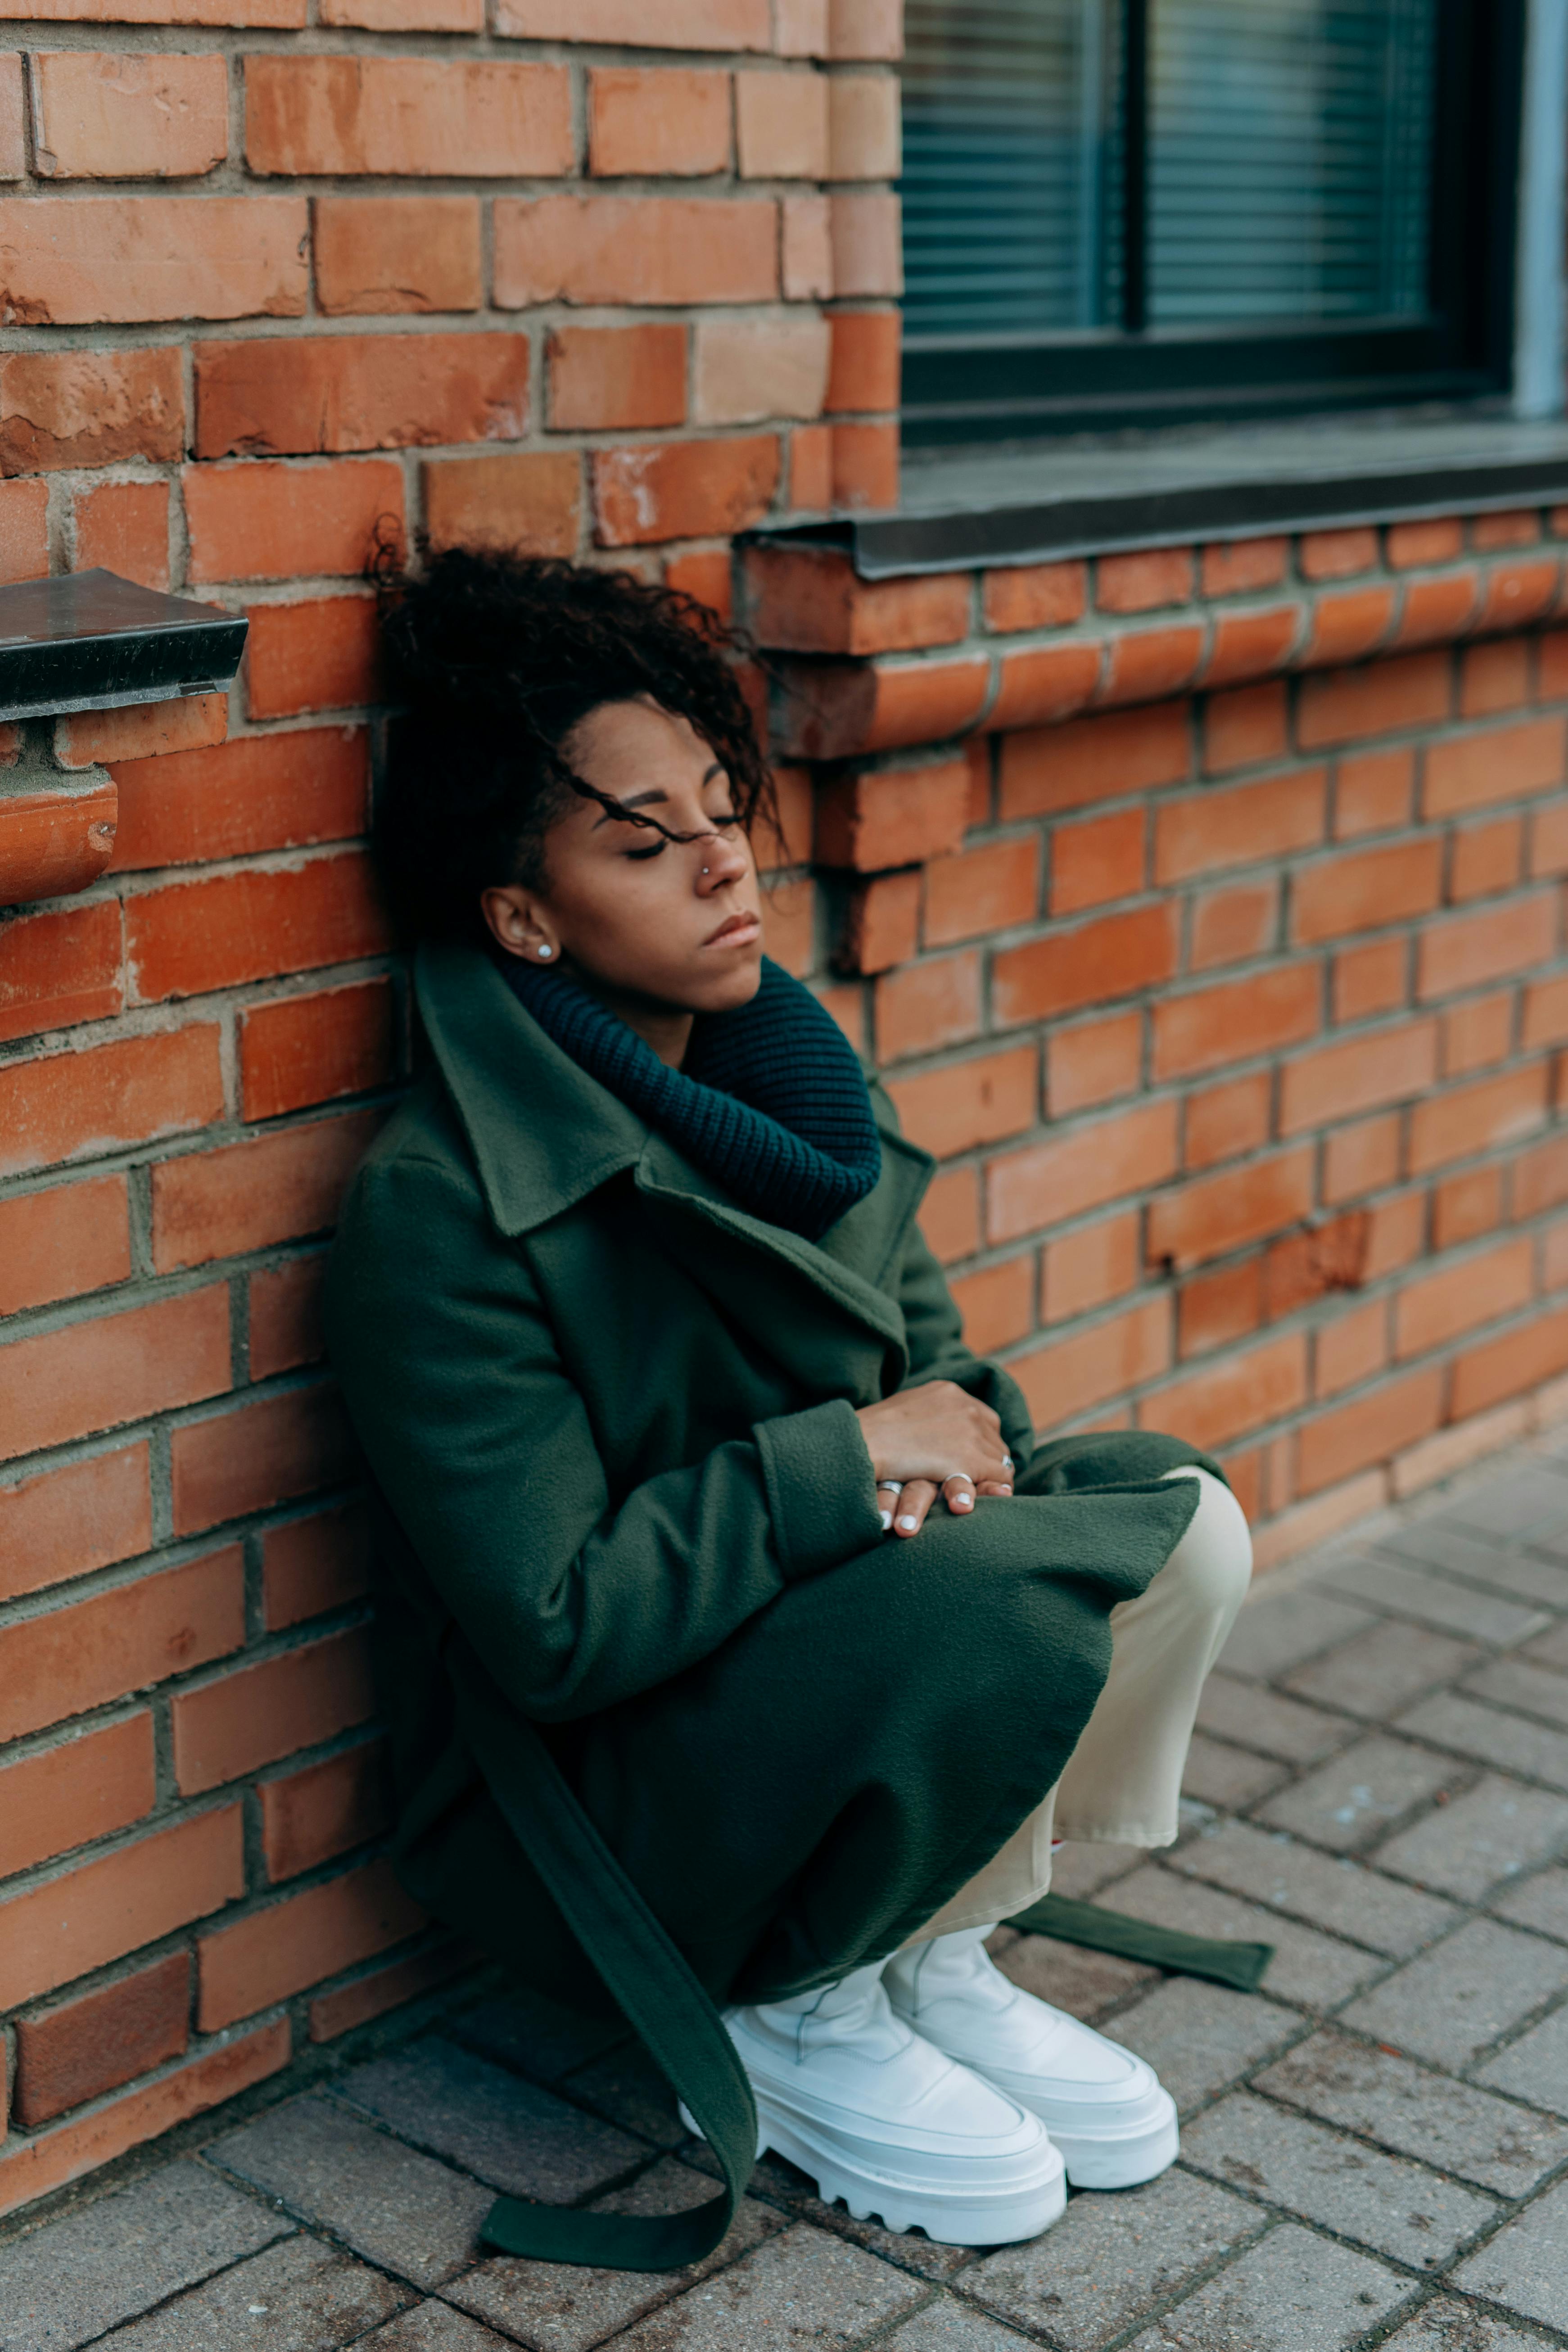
point(731, 932)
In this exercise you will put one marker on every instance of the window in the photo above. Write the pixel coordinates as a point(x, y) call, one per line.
point(1138, 212)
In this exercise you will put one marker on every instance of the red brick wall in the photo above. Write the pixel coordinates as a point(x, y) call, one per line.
point(276, 276)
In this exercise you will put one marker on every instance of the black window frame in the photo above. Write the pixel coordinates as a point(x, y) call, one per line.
point(961, 390)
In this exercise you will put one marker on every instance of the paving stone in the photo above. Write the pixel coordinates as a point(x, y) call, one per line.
point(1508, 1506)
point(1277, 1630)
point(949, 2327)
point(1229, 1778)
point(1449, 2004)
point(1470, 1560)
point(1493, 1832)
point(1110, 2259)
point(1519, 1682)
point(1376, 1673)
point(520, 2139)
point(1523, 2267)
point(805, 2287)
point(626, 2087)
point(1307, 1968)
point(1382, 2201)
point(1448, 2326)
point(1391, 2099)
point(1083, 1983)
point(432, 2328)
point(1535, 2068)
point(1081, 1871)
point(109, 2261)
point(1542, 1902)
point(413, 2216)
point(1352, 1800)
point(1508, 1741)
point(1274, 1725)
point(1199, 2037)
point(1548, 1649)
point(1292, 2293)
point(1337, 1894)
point(534, 2036)
point(297, 2296)
point(560, 2307)
point(1432, 1600)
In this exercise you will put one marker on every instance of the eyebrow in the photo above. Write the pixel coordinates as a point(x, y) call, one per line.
point(654, 792)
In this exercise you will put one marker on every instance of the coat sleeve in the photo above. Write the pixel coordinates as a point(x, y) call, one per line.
point(482, 1447)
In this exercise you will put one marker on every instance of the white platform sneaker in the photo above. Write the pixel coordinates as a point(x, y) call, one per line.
point(874, 2114)
point(1102, 2106)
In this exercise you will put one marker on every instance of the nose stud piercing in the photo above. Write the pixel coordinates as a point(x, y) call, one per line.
point(705, 869)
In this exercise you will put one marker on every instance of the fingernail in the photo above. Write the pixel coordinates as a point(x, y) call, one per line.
point(964, 1502)
point(886, 1519)
point(911, 1524)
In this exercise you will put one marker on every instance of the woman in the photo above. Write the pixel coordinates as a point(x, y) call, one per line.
point(727, 1604)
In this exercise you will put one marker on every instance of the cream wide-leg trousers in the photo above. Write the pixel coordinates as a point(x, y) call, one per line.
point(1123, 1777)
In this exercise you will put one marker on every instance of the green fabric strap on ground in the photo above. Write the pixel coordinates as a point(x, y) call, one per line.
point(657, 1992)
point(1215, 1957)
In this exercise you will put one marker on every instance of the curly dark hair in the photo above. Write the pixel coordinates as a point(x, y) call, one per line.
point(493, 659)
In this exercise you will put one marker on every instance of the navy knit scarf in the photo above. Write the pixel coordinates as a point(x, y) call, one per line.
point(771, 1100)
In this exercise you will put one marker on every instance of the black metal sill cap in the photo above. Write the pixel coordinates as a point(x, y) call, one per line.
point(91, 641)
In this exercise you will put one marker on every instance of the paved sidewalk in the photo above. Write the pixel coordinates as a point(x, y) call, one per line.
point(1374, 2148)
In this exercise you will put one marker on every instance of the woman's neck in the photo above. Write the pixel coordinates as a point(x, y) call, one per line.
point(664, 1029)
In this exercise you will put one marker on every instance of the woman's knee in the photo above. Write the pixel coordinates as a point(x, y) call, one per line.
point(1212, 1563)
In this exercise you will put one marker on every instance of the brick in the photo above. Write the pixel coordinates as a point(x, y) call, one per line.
point(406, 116)
point(616, 378)
point(1226, 1121)
point(1045, 1183)
point(84, 1655)
point(997, 1305)
point(1383, 699)
point(1241, 825)
point(63, 1522)
point(133, 1090)
point(1337, 1081)
point(268, 520)
point(392, 254)
point(1146, 664)
point(406, 16)
point(669, 122)
point(1466, 951)
point(1094, 759)
point(983, 891)
point(1545, 1020)
point(78, 1791)
point(112, 116)
point(1219, 1213)
point(649, 250)
point(308, 1049)
point(310, 1816)
point(290, 1945)
point(1099, 859)
point(1485, 859)
point(805, 249)
point(1517, 594)
point(863, 370)
point(1520, 1360)
point(89, 408)
point(124, 527)
point(1435, 1309)
point(1245, 728)
point(1337, 555)
point(893, 816)
point(58, 969)
point(320, 655)
point(781, 127)
point(527, 501)
point(809, 599)
point(865, 464)
point(695, 25)
point(1365, 889)
point(270, 1452)
point(1070, 1376)
point(146, 731)
point(55, 2158)
point(1034, 595)
point(255, 793)
point(1464, 1120)
point(1044, 683)
point(1494, 677)
point(314, 1564)
point(1250, 1388)
point(1374, 792)
point(194, 936)
point(63, 1242)
point(865, 238)
point(333, 394)
point(1379, 1424)
point(333, 2013)
point(707, 576)
point(224, 1729)
point(949, 1213)
point(87, 260)
point(682, 489)
point(1438, 540)
point(1302, 1265)
point(1138, 582)
point(1086, 1268)
point(1233, 1023)
point(12, 110)
point(94, 1913)
point(285, 1317)
point(1438, 611)
point(1477, 1032)
point(1350, 1350)
point(842, 712)
point(1499, 763)
point(1539, 1178)
point(1466, 1207)
point(1243, 565)
point(1520, 527)
point(1548, 841)
point(971, 1103)
point(1395, 1234)
point(1234, 926)
point(863, 127)
point(928, 1005)
point(1094, 1063)
point(810, 487)
point(245, 1196)
point(79, 2049)
point(24, 530)
point(1117, 956)
point(111, 1369)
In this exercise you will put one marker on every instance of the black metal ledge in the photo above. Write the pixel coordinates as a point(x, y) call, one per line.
point(91, 641)
point(1037, 504)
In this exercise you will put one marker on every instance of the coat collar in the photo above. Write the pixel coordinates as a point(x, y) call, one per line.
point(544, 1135)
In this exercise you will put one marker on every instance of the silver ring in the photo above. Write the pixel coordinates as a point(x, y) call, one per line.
point(890, 1486)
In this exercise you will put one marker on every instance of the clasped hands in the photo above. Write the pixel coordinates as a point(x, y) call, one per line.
point(929, 1440)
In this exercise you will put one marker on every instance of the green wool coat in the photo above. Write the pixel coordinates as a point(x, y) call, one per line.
point(621, 1493)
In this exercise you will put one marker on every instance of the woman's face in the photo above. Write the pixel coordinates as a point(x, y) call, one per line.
point(676, 924)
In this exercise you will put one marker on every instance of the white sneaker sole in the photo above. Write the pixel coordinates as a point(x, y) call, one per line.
point(1113, 2158)
point(950, 2217)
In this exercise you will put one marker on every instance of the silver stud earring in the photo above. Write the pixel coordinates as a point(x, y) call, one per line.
point(544, 952)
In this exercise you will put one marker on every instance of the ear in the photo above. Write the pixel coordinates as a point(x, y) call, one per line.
point(519, 922)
